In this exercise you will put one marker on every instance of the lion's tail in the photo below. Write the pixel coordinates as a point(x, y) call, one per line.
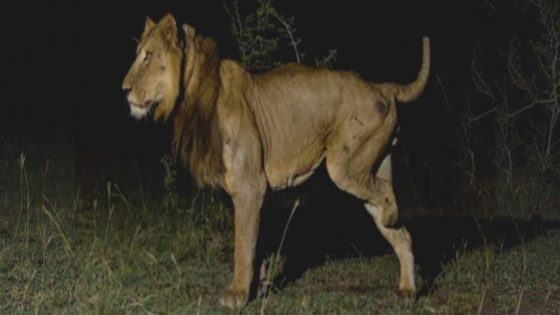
point(409, 92)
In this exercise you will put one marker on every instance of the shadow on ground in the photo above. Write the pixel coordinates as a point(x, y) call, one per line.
point(330, 224)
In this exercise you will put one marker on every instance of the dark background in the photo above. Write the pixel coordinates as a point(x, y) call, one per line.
point(64, 62)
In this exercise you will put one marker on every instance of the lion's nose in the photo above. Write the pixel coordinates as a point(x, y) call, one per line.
point(126, 88)
point(126, 84)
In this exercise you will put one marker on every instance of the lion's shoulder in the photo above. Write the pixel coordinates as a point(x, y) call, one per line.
point(233, 76)
point(231, 68)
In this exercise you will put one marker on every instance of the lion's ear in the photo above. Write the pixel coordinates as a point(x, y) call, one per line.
point(148, 26)
point(168, 26)
point(190, 34)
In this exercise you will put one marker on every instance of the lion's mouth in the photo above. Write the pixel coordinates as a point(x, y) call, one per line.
point(143, 110)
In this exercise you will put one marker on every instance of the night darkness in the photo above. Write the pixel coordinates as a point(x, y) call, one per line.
point(64, 62)
point(75, 55)
point(79, 53)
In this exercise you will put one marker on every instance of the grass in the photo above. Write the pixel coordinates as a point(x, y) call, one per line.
point(37, 269)
point(124, 251)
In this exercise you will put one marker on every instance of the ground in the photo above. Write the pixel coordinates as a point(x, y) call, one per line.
point(122, 251)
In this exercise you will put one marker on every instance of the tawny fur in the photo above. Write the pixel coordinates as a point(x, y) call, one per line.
point(248, 132)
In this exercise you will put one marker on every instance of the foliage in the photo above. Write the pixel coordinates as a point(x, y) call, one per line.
point(170, 198)
point(258, 34)
point(262, 33)
point(519, 107)
point(127, 256)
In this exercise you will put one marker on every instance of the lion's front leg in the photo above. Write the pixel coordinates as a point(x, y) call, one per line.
point(245, 182)
point(247, 205)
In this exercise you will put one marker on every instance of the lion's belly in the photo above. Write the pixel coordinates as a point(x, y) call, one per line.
point(293, 170)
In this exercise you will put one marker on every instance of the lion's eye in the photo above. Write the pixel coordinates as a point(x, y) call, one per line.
point(147, 56)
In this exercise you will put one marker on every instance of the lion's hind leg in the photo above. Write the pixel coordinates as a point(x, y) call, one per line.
point(400, 241)
point(349, 166)
point(398, 238)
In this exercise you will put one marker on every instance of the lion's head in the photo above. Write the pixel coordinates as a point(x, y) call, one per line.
point(152, 83)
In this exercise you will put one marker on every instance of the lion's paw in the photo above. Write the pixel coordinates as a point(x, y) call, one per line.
point(409, 293)
point(234, 299)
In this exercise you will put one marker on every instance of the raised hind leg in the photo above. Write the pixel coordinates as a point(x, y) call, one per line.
point(398, 238)
point(349, 165)
point(400, 241)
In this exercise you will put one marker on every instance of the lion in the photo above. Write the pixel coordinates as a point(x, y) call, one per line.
point(248, 132)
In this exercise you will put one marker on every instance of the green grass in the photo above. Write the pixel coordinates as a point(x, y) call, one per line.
point(131, 254)
point(37, 268)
